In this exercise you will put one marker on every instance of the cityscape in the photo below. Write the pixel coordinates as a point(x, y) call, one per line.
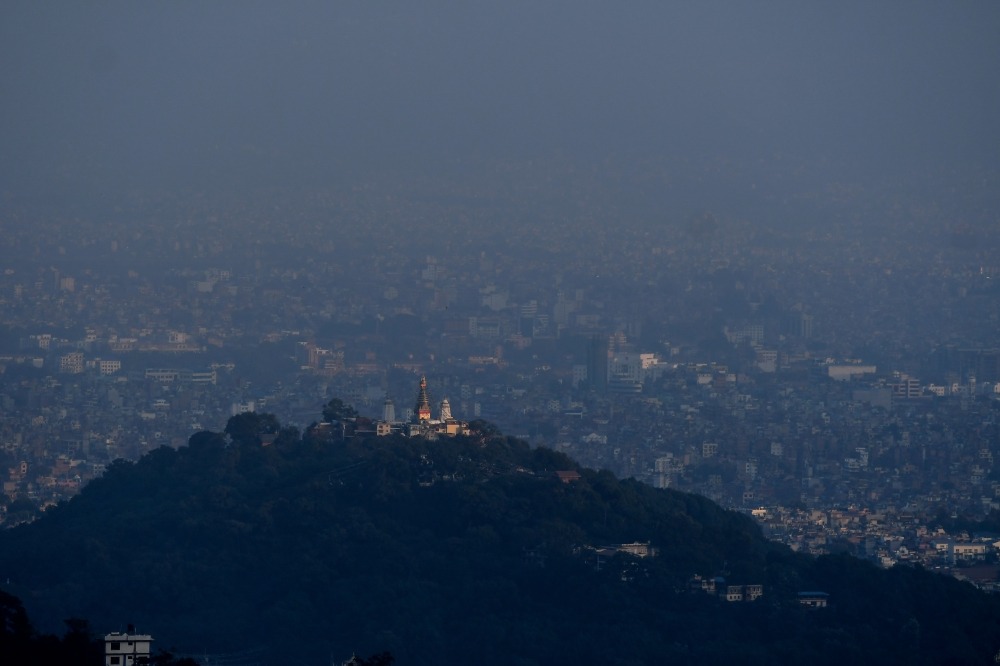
point(499, 333)
point(782, 359)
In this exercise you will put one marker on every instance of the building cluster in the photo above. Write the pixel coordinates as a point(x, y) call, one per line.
point(717, 586)
point(422, 423)
point(792, 359)
point(887, 537)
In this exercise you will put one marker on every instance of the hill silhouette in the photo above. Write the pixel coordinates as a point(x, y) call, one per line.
point(456, 550)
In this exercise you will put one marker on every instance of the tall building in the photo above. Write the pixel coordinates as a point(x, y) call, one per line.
point(627, 371)
point(597, 363)
point(799, 324)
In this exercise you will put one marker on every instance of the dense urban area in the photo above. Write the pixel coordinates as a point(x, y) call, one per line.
point(738, 331)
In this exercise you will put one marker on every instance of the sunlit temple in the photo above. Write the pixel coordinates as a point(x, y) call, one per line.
point(422, 423)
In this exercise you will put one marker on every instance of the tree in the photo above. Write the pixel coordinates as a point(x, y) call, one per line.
point(166, 658)
point(14, 624)
point(247, 428)
point(337, 410)
point(288, 435)
point(21, 510)
point(78, 645)
point(484, 431)
point(380, 659)
point(206, 438)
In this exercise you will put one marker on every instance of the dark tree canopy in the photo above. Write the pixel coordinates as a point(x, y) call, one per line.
point(337, 410)
point(390, 543)
point(248, 427)
point(380, 659)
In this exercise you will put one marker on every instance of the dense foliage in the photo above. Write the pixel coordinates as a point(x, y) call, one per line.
point(20, 643)
point(454, 551)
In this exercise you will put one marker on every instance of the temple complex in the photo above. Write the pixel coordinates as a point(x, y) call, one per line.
point(422, 423)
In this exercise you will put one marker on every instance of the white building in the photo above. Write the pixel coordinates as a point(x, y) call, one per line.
point(843, 373)
point(627, 371)
point(968, 552)
point(109, 367)
point(71, 363)
point(127, 649)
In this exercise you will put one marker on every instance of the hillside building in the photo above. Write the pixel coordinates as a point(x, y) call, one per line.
point(127, 649)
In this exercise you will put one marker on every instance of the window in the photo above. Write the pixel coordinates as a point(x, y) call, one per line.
point(115, 645)
point(115, 660)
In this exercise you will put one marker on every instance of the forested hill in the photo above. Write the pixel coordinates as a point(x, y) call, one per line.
point(457, 550)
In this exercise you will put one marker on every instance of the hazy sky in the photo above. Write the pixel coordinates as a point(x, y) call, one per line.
point(95, 94)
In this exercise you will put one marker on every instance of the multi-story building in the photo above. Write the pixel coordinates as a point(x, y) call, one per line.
point(71, 363)
point(127, 649)
point(109, 367)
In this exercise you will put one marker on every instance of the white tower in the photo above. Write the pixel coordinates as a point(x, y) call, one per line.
point(388, 411)
point(445, 410)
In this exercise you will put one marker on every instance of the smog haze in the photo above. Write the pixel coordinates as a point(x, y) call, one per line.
point(231, 94)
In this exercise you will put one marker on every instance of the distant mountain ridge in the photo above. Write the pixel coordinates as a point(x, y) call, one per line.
point(455, 550)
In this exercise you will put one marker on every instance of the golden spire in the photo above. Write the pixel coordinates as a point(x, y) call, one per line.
point(423, 408)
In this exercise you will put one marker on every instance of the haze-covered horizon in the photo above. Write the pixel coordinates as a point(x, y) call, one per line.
point(111, 95)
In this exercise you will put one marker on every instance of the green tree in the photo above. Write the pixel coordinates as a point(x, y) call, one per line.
point(337, 410)
point(248, 427)
point(484, 431)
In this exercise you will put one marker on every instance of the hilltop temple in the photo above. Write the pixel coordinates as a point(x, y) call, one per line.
point(422, 423)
